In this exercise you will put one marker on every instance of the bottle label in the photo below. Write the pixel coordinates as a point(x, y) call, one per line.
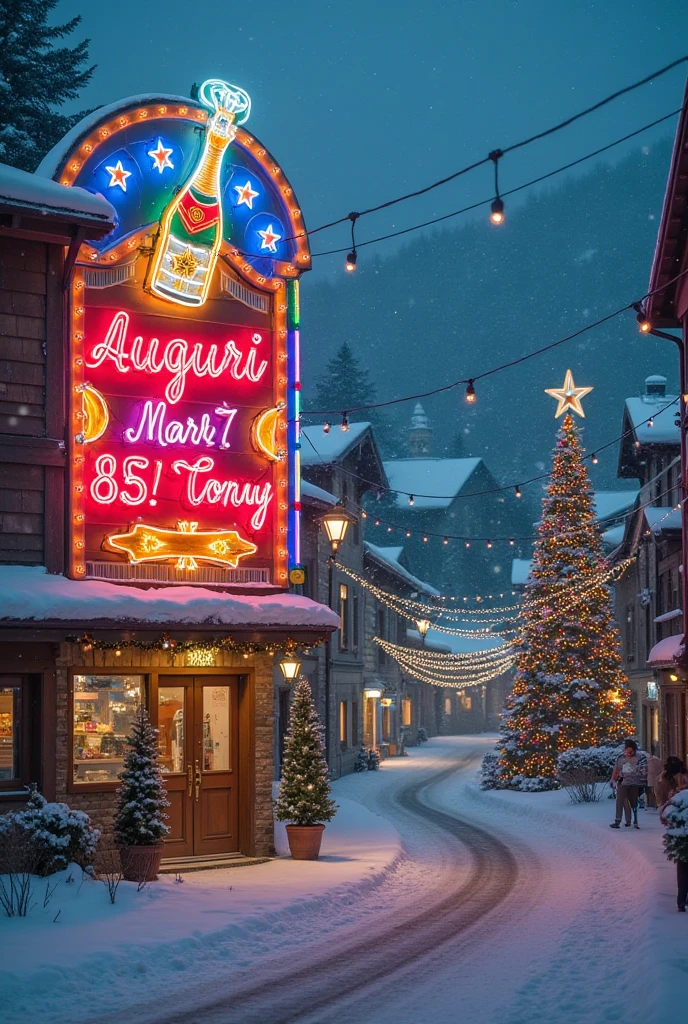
point(197, 215)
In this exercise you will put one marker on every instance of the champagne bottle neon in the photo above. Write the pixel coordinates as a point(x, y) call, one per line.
point(191, 227)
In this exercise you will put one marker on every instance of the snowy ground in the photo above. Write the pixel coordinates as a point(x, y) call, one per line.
point(503, 907)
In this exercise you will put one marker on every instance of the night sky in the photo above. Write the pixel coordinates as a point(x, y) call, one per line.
point(365, 99)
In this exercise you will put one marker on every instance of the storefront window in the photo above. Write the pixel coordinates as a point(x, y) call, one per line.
point(171, 728)
point(10, 725)
point(216, 726)
point(104, 710)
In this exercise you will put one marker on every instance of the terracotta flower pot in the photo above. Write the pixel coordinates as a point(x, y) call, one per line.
point(304, 841)
point(141, 863)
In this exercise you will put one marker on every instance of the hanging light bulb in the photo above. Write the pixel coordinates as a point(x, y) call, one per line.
point(425, 540)
point(446, 540)
point(497, 211)
point(594, 459)
point(411, 499)
point(651, 421)
point(511, 542)
point(468, 543)
point(345, 422)
point(408, 533)
point(497, 207)
point(488, 545)
point(351, 261)
point(326, 428)
point(471, 396)
point(517, 491)
point(644, 325)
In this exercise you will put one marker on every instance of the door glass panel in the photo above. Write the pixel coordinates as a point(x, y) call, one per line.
point(171, 728)
point(10, 705)
point(104, 711)
point(216, 723)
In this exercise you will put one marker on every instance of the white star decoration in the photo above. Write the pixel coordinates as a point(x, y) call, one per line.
point(568, 396)
point(118, 176)
point(246, 194)
point(161, 157)
point(269, 238)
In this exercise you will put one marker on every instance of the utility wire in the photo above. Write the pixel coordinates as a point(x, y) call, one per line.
point(502, 151)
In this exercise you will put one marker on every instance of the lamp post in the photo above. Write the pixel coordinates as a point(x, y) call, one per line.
point(423, 625)
point(336, 524)
point(290, 666)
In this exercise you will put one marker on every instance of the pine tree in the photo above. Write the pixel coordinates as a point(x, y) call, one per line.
point(304, 797)
point(36, 76)
point(344, 384)
point(141, 798)
point(570, 690)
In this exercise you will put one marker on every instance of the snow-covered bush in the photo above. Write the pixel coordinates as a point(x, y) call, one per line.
point(361, 762)
point(583, 771)
point(56, 834)
point(528, 784)
point(490, 773)
point(676, 835)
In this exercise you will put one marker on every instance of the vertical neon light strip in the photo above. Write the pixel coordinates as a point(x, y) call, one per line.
point(294, 428)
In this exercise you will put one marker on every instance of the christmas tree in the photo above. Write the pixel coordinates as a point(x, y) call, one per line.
point(36, 76)
point(570, 690)
point(304, 797)
point(344, 385)
point(141, 797)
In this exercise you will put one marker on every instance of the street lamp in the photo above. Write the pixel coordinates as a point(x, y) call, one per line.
point(290, 666)
point(336, 523)
point(423, 625)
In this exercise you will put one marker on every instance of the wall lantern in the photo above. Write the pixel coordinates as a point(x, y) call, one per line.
point(290, 666)
point(336, 523)
point(423, 625)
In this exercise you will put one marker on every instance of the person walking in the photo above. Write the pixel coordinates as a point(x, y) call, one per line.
point(630, 775)
point(672, 780)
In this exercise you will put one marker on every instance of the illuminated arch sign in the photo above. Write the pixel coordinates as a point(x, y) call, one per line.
point(184, 347)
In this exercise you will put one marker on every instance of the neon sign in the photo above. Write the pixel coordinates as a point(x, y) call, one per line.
point(184, 348)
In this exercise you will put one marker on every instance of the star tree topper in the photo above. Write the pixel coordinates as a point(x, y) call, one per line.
point(568, 396)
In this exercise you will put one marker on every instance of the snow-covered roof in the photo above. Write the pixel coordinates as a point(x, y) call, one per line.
point(319, 448)
point(33, 192)
point(414, 636)
point(387, 557)
point(30, 594)
point(663, 429)
point(520, 570)
point(52, 161)
point(662, 518)
point(610, 504)
point(663, 654)
point(441, 478)
point(612, 538)
point(309, 490)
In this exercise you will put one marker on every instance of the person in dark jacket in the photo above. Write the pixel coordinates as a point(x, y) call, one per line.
point(630, 776)
point(672, 780)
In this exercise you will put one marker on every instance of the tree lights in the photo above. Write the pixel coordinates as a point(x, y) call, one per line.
point(569, 689)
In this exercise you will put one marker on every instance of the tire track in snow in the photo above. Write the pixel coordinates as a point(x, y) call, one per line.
point(301, 993)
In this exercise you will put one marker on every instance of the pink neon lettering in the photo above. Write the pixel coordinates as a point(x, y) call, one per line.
point(154, 427)
point(224, 492)
point(178, 358)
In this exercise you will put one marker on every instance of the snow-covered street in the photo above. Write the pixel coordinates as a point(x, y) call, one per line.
point(511, 907)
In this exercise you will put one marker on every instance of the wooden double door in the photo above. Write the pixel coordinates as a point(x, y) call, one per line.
point(198, 742)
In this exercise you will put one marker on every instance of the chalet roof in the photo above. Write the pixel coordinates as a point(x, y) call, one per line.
point(663, 430)
point(29, 594)
point(662, 519)
point(443, 479)
point(671, 253)
point(317, 495)
point(20, 190)
point(614, 537)
point(610, 504)
point(319, 448)
point(388, 559)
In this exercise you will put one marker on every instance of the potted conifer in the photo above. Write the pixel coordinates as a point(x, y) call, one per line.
point(139, 823)
point(304, 797)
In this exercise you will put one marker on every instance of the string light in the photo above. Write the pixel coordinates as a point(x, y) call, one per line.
point(175, 647)
point(594, 459)
point(410, 500)
point(471, 396)
point(442, 669)
point(517, 491)
point(497, 207)
point(352, 258)
point(644, 325)
point(345, 422)
point(326, 428)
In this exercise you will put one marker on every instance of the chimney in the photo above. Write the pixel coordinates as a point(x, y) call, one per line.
point(420, 434)
point(655, 385)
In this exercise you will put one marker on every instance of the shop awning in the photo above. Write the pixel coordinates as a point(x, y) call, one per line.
point(664, 653)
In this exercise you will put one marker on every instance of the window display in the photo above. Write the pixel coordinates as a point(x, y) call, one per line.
point(104, 710)
point(216, 725)
point(10, 705)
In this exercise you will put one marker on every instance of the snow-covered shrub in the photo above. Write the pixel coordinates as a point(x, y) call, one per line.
point(676, 835)
point(534, 784)
point(373, 759)
point(422, 735)
point(583, 771)
point(59, 834)
point(361, 762)
point(20, 858)
point(490, 772)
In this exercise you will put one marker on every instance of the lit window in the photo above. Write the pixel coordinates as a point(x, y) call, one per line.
point(104, 710)
point(406, 711)
point(343, 723)
point(344, 617)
